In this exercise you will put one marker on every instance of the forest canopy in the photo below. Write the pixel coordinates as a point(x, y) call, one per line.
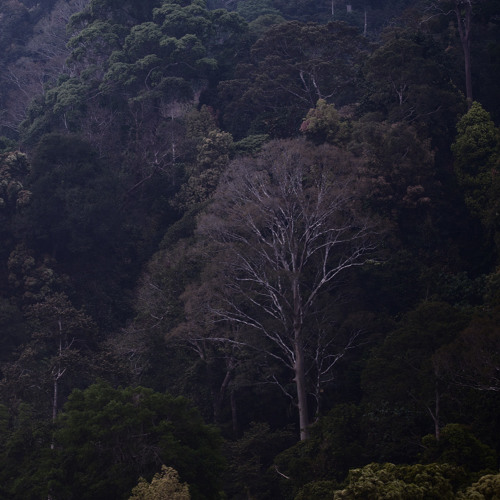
point(249, 249)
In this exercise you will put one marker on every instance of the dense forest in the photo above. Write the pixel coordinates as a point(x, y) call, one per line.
point(249, 249)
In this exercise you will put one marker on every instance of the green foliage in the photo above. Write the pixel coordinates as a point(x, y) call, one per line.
point(13, 330)
point(214, 152)
point(476, 146)
point(92, 44)
point(323, 124)
point(408, 349)
point(68, 101)
point(68, 213)
point(459, 289)
point(161, 52)
point(15, 26)
point(15, 197)
point(199, 123)
point(407, 79)
point(293, 65)
point(32, 279)
point(7, 144)
point(406, 387)
point(119, 11)
point(54, 359)
point(404, 186)
point(69, 217)
point(253, 9)
point(335, 445)
point(250, 145)
point(317, 490)
point(476, 153)
point(164, 485)
point(182, 40)
point(108, 437)
point(91, 209)
point(259, 26)
point(457, 445)
point(471, 360)
point(249, 460)
point(487, 488)
point(14, 170)
point(25, 455)
point(404, 482)
point(400, 168)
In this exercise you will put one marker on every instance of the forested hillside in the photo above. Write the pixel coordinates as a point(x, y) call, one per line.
point(249, 249)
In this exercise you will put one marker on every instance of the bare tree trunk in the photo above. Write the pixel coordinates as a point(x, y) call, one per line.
point(464, 30)
point(298, 348)
point(55, 396)
point(57, 375)
point(300, 383)
point(435, 413)
point(468, 73)
point(283, 244)
point(219, 398)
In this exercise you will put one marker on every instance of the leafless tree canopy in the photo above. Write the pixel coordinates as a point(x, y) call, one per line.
point(290, 224)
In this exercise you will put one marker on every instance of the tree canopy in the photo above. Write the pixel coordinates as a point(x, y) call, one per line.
point(249, 249)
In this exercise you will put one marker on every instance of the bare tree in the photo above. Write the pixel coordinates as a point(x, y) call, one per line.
point(462, 10)
point(44, 60)
point(289, 227)
point(463, 14)
point(60, 330)
point(53, 359)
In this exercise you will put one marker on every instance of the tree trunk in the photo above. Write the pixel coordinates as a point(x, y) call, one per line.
point(300, 383)
point(437, 429)
point(468, 74)
point(55, 399)
point(57, 374)
point(299, 363)
point(434, 413)
point(219, 397)
point(464, 30)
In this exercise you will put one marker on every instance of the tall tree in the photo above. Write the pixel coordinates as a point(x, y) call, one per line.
point(54, 360)
point(60, 331)
point(290, 229)
point(463, 12)
point(14, 196)
point(476, 153)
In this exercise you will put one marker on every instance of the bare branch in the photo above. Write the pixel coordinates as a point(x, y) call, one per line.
point(287, 230)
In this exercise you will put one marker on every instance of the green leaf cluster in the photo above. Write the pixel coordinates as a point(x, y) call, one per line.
point(116, 435)
point(405, 482)
point(476, 152)
point(165, 484)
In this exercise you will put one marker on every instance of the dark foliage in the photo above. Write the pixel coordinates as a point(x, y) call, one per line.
point(149, 153)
